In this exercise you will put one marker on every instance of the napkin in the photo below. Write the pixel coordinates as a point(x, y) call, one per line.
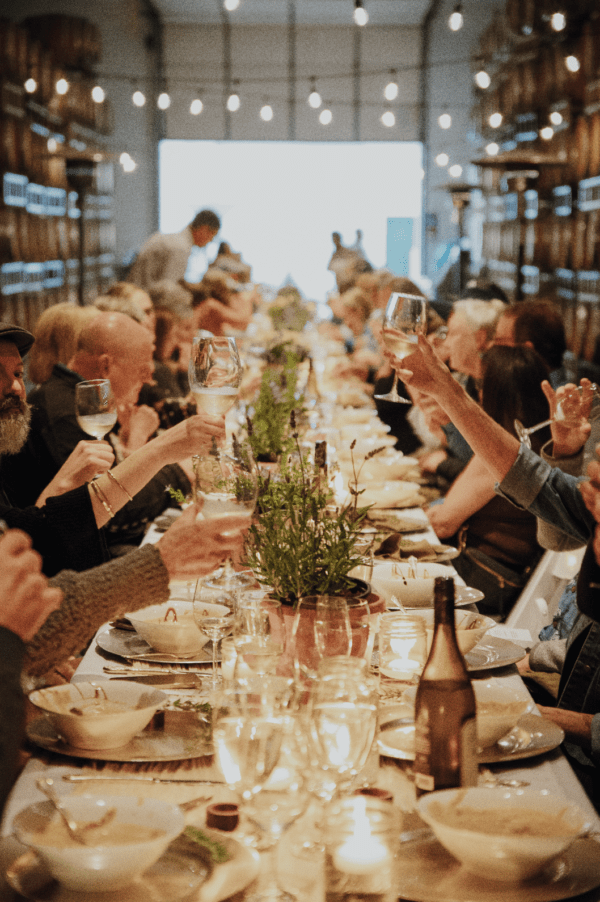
point(390, 522)
point(400, 549)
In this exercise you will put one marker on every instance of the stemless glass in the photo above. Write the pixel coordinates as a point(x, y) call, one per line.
point(259, 635)
point(215, 373)
point(405, 318)
point(333, 635)
point(216, 623)
point(95, 407)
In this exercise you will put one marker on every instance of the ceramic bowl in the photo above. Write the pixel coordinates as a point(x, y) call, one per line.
point(75, 710)
point(499, 708)
point(384, 467)
point(392, 579)
point(502, 834)
point(101, 868)
point(467, 638)
point(173, 637)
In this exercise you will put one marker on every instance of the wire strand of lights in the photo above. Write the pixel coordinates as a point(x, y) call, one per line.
point(314, 98)
point(163, 101)
point(361, 16)
point(196, 106)
point(138, 98)
point(325, 117)
point(231, 5)
point(456, 20)
point(390, 92)
point(266, 112)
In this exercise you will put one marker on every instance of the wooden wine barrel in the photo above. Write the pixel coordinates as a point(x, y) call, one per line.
point(74, 42)
point(522, 17)
point(46, 84)
point(10, 144)
point(582, 144)
point(8, 47)
point(565, 228)
point(592, 234)
point(594, 145)
point(528, 85)
point(92, 44)
point(9, 248)
point(578, 241)
point(27, 163)
point(545, 77)
point(23, 233)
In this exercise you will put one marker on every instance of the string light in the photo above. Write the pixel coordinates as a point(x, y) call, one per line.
point(482, 79)
point(572, 63)
point(325, 117)
point(266, 113)
point(52, 145)
point(455, 171)
point(62, 86)
point(98, 94)
point(442, 159)
point(31, 85)
point(231, 5)
point(128, 164)
point(196, 106)
point(233, 102)
point(164, 101)
point(138, 98)
point(314, 98)
point(556, 117)
point(361, 16)
point(495, 120)
point(445, 120)
point(547, 132)
point(388, 119)
point(558, 21)
point(456, 20)
point(390, 92)
point(492, 149)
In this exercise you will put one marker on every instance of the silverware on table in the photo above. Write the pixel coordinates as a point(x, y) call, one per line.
point(167, 680)
point(84, 778)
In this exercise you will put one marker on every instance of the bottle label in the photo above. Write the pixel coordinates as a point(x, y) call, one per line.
point(469, 770)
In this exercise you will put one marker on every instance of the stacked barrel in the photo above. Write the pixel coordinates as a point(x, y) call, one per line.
point(40, 128)
point(546, 86)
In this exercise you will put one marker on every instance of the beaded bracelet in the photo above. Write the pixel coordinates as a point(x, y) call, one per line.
point(101, 497)
point(112, 476)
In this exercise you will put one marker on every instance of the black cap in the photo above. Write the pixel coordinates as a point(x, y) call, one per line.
point(21, 337)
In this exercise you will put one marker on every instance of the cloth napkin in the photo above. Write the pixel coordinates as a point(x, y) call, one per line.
point(399, 549)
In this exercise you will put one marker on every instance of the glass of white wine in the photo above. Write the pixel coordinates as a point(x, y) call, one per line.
point(215, 373)
point(214, 614)
point(405, 318)
point(95, 407)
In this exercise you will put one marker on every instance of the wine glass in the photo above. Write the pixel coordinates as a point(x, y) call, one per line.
point(226, 483)
point(405, 318)
point(215, 373)
point(259, 635)
point(333, 635)
point(213, 613)
point(570, 409)
point(95, 407)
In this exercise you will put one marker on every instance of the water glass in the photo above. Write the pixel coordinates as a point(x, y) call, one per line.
point(402, 652)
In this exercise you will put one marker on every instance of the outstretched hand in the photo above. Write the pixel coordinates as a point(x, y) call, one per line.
point(570, 435)
point(191, 548)
point(424, 369)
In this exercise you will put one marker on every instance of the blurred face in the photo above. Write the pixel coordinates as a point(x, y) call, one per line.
point(505, 332)
point(462, 347)
point(144, 302)
point(128, 371)
point(203, 235)
point(15, 412)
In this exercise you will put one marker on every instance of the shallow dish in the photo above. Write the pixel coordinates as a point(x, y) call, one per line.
point(391, 578)
point(499, 708)
point(467, 638)
point(180, 636)
point(100, 715)
point(102, 866)
point(506, 834)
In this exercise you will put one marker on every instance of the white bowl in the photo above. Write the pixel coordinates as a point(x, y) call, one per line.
point(502, 834)
point(383, 467)
point(182, 637)
point(131, 709)
point(100, 868)
point(467, 638)
point(391, 578)
point(499, 708)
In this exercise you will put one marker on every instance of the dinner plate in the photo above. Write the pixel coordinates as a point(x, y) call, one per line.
point(428, 873)
point(532, 736)
point(463, 596)
point(125, 644)
point(493, 652)
point(181, 871)
point(180, 736)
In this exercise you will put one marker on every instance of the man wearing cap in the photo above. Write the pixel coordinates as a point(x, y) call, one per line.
point(164, 258)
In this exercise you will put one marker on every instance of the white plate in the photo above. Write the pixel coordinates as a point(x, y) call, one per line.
point(493, 652)
point(428, 873)
point(181, 871)
point(127, 644)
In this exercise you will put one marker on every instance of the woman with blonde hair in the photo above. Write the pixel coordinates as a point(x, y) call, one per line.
point(56, 335)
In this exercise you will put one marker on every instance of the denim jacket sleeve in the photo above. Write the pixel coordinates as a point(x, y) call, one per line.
point(549, 494)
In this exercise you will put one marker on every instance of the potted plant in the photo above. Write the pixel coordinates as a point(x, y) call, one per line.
point(268, 431)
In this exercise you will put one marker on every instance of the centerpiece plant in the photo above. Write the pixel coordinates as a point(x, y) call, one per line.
point(269, 435)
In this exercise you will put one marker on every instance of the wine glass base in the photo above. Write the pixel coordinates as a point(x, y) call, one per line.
point(395, 399)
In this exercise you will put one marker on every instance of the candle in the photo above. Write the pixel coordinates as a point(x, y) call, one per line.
point(362, 853)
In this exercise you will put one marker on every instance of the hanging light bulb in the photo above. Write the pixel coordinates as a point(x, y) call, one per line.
point(558, 21)
point(233, 102)
point(445, 120)
point(456, 20)
point(196, 106)
point(390, 92)
point(388, 119)
point(30, 85)
point(127, 162)
point(455, 171)
point(164, 101)
point(52, 145)
point(138, 98)
point(314, 98)
point(361, 16)
point(325, 117)
point(266, 113)
point(572, 63)
point(231, 5)
point(62, 86)
point(556, 117)
point(492, 149)
point(98, 94)
point(547, 132)
point(482, 79)
point(495, 120)
point(442, 159)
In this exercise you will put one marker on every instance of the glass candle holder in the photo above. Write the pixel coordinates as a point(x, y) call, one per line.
point(361, 843)
point(402, 652)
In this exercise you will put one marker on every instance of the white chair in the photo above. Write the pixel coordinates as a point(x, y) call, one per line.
point(538, 602)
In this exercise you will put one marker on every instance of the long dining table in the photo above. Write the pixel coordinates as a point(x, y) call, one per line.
point(300, 873)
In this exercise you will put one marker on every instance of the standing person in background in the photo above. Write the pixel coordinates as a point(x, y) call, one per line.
point(165, 257)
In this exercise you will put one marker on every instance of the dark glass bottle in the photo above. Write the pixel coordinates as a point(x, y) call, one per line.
point(445, 728)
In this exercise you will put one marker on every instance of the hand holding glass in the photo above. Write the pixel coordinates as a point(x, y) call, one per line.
point(215, 374)
point(405, 318)
point(95, 407)
point(574, 405)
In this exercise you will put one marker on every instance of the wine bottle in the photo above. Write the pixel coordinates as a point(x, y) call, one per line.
point(445, 728)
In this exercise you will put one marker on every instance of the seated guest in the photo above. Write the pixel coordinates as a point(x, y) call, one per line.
point(497, 541)
point(139, 301)
point(56, 335)
point(65, 530)
point(218, 304)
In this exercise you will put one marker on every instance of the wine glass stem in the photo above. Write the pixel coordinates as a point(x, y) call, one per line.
point(215, 646)
point(535, 428)
point(394, 388)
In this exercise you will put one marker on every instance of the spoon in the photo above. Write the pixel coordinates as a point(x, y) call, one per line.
point(46, 785)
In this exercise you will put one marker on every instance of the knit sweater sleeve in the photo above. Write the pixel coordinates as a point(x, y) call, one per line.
point(90, 599)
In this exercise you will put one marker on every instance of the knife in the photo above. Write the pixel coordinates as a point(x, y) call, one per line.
point(82, 778)
point(166, 680)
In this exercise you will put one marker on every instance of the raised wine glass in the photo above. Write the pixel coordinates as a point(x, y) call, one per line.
point(405, 318)
point(95, 407)
point(213, 613)
point(573, 405)
point(215, 373)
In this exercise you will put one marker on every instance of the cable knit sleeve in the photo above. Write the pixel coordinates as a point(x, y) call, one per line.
point(128, 583)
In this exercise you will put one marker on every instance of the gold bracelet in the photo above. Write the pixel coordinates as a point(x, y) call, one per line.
point(101, 498)
point(112, 476)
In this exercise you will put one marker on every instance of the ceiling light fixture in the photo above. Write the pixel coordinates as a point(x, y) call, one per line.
point(495, 120)
point(30, 85)
point(456, 20)
point(196, 106)
point(390, 92)
point(455, 171)
point(266, 113)
point(572, 63)
point(442, 159)
point(445, 120)
point(163, 101)
point(62, 86)
point(233, 102)
point(361, 16)
point(138, 98)
point(482, 79)
point(325, 117)
point(98, 94)
point(556, 117)
point(492, 149)
point(388, 119)
point(558, 21)
point(231, 5)
point(547, 132)
point(314, 98)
